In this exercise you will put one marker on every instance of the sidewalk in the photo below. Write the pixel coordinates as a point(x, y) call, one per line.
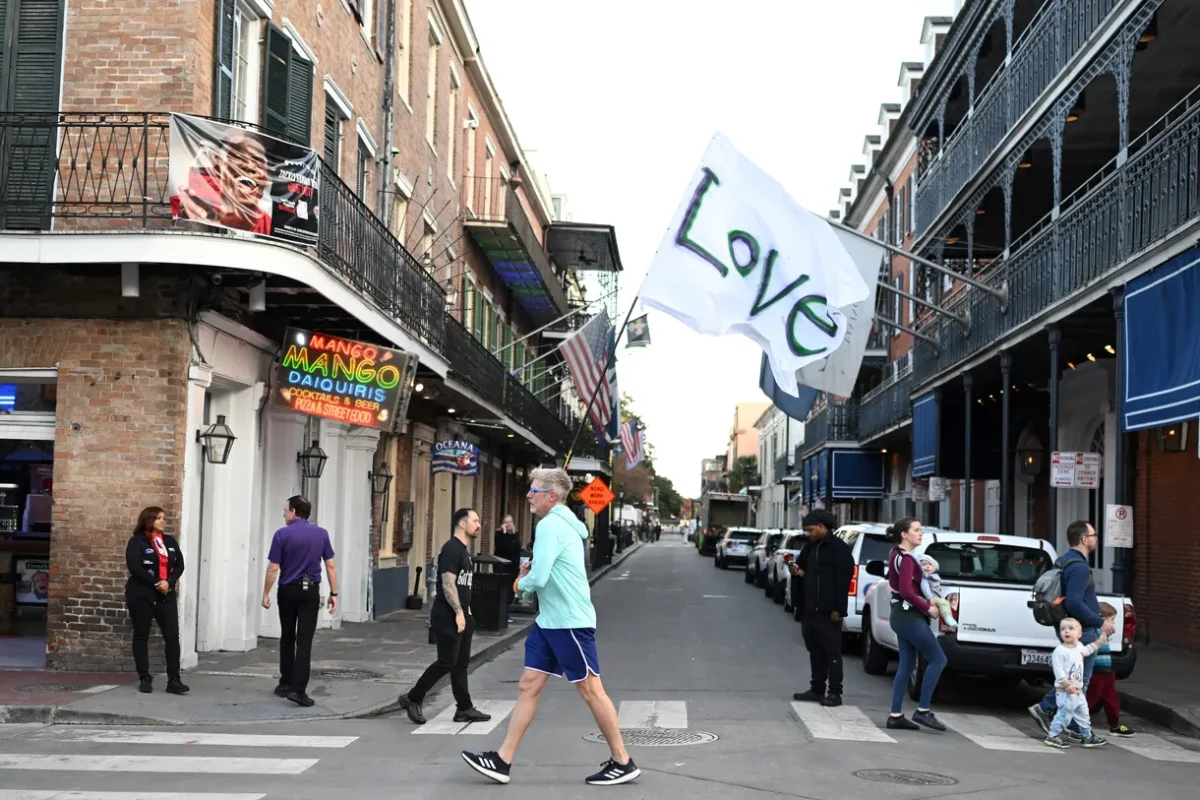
point(358, 671)
point(1163, 689)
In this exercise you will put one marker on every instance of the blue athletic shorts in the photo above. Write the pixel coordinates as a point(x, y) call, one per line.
point(565, 652)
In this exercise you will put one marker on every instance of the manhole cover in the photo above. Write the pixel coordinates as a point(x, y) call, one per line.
point(338, 674)
point(905, 777)
point(50, 687)
point(656, 737)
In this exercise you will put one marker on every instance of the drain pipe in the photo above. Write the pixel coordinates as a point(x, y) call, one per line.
point(389, 110)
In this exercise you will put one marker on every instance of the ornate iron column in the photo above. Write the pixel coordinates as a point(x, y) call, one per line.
point(1120, 555)
point(1055, 334)
point(1006, 461)
point(968, 387)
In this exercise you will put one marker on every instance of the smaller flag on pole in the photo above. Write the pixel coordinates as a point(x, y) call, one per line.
point(638, 332)
point(631, 442)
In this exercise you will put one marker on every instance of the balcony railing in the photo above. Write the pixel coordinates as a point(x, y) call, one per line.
point(1054, 36)
point(885, 406)
point(83, 172)
point(836, 422)
point(1126, 210)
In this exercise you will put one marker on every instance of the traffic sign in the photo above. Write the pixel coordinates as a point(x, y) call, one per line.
point(596, 495)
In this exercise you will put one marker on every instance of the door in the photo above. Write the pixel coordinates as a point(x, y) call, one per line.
point(991, 508)
point(418, 554)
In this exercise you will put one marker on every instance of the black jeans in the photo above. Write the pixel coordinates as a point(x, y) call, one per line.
point(453, 656)
point(163, 610)
point(823, 638)
point(298, 612)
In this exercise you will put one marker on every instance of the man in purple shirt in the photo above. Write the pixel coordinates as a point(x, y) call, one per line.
point(297, 550)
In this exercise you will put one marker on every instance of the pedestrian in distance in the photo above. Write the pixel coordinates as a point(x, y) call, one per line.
point(508, 546)
point(826, 566)
point(155, 564)
point(1067, 661)
point(1080, 602)
point(297, 551)
point(452, 623)
point(562, 640)
point(1102, 688)
point(910, 620)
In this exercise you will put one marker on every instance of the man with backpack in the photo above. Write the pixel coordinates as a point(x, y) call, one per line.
point(1078, 600)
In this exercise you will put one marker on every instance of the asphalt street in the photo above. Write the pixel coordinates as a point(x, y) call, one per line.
point(687, 653)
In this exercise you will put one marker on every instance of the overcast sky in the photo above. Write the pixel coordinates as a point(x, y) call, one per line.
point(619, 99)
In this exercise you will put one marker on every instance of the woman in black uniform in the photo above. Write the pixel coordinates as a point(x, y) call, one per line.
point(155, 563)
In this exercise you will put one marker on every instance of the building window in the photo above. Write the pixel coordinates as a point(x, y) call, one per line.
point(897, 307)
point(362, 173)
point(427, 250)
point(287, 88)
point(399, 216)
point(333, 136)
point(488, 165)
point(451, 122)
point(431, 78)
point(238, 61)
point(912, 207)
point(469, 157)
point(404, 48)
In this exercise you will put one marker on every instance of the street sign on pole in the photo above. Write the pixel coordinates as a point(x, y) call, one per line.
point(1118, 526)
point(1070, 470)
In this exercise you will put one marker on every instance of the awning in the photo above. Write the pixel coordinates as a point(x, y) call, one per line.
point(810, 479)
point(857, 474)
point(822, 472)
point(925, 435)
point(1161, 351)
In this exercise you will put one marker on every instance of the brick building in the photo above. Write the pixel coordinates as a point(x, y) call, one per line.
point(124, 333)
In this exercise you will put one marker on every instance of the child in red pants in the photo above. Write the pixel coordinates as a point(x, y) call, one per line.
point(1102, 688)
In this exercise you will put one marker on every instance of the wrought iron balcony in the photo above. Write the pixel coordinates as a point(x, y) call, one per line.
point(497, 222)
point(86, 172)
point(885, 406)
point(1059, 30)
point(1124, 210)
point(836, 422)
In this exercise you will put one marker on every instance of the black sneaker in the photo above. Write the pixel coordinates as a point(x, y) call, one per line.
point(146, 685)
point(489, 764)
point(415, 713)
point(1074, 737)
point(927, 719)
point(1057, 742)
point(283, 690)
point(301, 699)
point(611, 773)
point(177, 687)
point(1092, 740)
point(831, 700)
point(901, 723)
point(808, 697)
point(1123, 731)
point(471, 715)
point(1041, 717)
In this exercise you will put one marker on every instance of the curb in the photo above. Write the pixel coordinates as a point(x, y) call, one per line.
point(1158, 713)
point(607, 568)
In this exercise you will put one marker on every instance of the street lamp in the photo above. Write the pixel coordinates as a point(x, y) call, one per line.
point(1031, 454)
point(312, 461)
point(217, 440)
point(1173, 438)
point(381, 480)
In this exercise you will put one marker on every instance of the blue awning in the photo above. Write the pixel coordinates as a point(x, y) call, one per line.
point(857, 474)
point(925, 435)
point(1161, 351)
point(822, 472)
point(810, 480)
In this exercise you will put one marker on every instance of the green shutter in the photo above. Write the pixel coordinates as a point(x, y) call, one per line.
point(300, 95)
point(223, 96)
point(276, 82)
point(507, 344)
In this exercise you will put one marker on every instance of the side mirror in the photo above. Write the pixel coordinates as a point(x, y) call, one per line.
point(875, 568)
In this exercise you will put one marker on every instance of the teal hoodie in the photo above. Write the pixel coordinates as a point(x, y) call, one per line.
point(558, 575)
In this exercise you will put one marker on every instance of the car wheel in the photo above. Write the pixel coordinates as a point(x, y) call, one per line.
point(760, 580)
point(717, 562)
point(777, 594)
point(749, 576)
point(787, 607)
point(874, 657)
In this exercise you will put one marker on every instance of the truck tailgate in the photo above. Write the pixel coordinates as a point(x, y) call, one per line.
point(998, 614)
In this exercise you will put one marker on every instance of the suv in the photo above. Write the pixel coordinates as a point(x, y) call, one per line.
point(760, 557)
point(779, 571)
point(735, 547)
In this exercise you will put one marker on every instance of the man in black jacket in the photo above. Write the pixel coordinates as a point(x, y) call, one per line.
point(826, 565)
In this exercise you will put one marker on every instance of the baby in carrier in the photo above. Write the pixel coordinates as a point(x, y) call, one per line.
point(931, 587)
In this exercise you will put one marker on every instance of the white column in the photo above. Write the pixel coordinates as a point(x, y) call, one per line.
point(354, 567)
point(199, 379)
point(327, 513)
point(284, 440)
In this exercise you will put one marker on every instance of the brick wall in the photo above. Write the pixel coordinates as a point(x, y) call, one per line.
point(118, 447)
point(1166, 507)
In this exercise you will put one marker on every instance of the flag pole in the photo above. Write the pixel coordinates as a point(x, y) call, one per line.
point(603, 377)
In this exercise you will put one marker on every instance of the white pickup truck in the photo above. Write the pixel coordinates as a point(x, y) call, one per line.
point(988, 581)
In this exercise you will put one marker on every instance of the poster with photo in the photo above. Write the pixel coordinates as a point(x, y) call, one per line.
point(229, 177)
point(33, 580)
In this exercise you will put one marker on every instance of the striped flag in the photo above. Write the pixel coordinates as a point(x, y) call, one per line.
point(586, 353)
point(631, 442)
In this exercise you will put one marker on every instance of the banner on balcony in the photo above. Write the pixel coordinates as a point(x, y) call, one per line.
point(741, 256)
point(340, 379)
point(457, 458)
point(229, 177)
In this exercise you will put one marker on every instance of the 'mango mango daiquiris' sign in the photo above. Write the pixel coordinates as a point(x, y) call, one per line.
point(344, 380)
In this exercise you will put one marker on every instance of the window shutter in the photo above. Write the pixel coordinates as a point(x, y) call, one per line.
point(276, 82)
point(332, 131)
point(4, 27)
point(300, 94)
point(223, 97)
point(360, 175)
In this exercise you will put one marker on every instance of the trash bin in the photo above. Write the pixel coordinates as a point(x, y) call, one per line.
point(489, 593)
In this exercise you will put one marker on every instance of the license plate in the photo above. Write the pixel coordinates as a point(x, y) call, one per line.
point(1035, 657)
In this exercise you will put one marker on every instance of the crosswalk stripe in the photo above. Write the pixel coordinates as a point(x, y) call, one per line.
point(991, 733)
point(653, 714)
point(54, 794)
point(98, 689)
point(111, 736)
point(1156, 748)
point(845, 723)
point(499, 709)
point(145, 763)
point(444, 725)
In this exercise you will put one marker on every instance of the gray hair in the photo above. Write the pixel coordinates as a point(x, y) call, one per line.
point(553, 478)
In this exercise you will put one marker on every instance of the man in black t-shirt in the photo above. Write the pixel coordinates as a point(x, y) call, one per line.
point(452, 625)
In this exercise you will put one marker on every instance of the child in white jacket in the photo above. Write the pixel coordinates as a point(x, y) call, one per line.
point(1068, 680)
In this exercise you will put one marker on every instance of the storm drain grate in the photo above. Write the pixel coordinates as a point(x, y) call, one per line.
point(656, 737)
point(905, 777)
point(341, 674)
point(51, 687)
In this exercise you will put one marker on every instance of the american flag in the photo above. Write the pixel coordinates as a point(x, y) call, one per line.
point(586, 354)
point(631, 441)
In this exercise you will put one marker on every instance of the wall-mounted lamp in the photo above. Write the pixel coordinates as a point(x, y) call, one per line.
point(1173, 438)
point(1149, 34)
point(312, 461)
point(217, 440)
point(381, 480)
point(1032, 455)
point(1078, 108)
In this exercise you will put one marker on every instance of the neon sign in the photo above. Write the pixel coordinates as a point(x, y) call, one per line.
point(344, 380)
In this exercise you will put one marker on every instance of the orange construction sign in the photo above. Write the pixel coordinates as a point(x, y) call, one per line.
point(596, 495)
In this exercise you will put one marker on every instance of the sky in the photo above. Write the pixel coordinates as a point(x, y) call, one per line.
point(619, 106)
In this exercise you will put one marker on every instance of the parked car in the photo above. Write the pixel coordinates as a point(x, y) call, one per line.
point(733, 550)
point(779, 570)
point(764, 548)
point(988, 581)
